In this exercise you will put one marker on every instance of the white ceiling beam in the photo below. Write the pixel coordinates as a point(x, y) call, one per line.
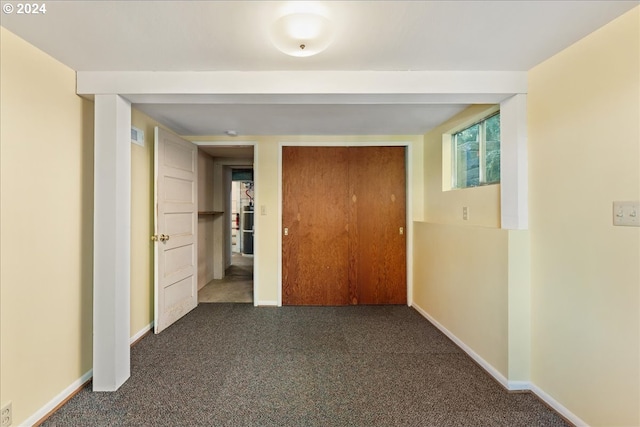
point(442, 83)
point(320, 99)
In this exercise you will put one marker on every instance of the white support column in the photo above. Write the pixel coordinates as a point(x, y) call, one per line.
point(112, 242)
point(514, 185)
point(519, 310)
point(514, 194)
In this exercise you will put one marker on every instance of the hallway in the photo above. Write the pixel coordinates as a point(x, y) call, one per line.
point(237, 285)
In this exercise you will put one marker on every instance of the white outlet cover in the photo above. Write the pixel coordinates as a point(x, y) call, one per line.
point(6, 414)
point(626, 214)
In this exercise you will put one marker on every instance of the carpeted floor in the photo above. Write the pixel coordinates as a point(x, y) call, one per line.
point(238, 365)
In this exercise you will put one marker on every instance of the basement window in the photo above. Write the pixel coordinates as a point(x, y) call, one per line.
point(475, 154)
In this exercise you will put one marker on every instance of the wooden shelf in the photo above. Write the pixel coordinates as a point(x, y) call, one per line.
point(210, 212)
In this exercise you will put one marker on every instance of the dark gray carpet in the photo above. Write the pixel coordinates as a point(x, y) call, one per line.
point(237, 365)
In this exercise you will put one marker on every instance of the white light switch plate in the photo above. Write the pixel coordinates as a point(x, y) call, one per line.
point(626, 214)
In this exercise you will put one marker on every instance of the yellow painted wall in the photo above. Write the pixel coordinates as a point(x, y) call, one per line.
point(445, 207)
point(266, 192)
point(461, 275)
point(205, 222)
point(461, 281)
point(47, 228)
point(142, 226)
point(584, 153)
point(46, 211)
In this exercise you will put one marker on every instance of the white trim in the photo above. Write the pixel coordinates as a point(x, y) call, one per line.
point(267, 303)
point(256, 199)
point(140, 333)
point(557, 406)
point(518, 385)
point(509, 385)
point(279, 302)
point(408, 200)
point(302, 83)
point(479, 360)
point(64, 394)
point(408, 155)
point(257, 257)
point(75, 386)
point(514, 184)
point(111, 242)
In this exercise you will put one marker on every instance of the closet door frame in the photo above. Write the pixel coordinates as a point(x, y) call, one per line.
point(409, 201)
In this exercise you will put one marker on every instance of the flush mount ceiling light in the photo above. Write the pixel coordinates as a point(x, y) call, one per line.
point(302, 34)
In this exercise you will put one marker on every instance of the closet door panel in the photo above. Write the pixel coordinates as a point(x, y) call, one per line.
point(377, 217)
point(315, 231)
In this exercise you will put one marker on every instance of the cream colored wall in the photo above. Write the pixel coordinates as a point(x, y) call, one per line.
point(142, 223)
point(584, 153)
point(461, 281)
point(205, 222)
point(267, 184)
point(47, 180)
point(461, 273)
point(445, 207)
point(46, 211)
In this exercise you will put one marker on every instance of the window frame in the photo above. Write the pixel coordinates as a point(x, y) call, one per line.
point(482, 153)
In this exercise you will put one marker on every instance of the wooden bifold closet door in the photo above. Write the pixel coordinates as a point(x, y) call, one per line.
point(343, 219)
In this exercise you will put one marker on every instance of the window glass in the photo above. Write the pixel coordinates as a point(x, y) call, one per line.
point(477, 154)
point(468, 162)
point(492, 125)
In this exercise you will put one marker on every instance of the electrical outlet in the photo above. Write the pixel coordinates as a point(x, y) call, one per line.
point(626, 214)
point(5, 413)
point(465, 213)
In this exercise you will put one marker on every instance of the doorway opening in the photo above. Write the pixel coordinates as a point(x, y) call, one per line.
point(242, 211)
point(228, 173)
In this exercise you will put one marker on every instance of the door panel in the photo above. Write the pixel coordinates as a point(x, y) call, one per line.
point(175, 280)
point(377, 216)
point(315, 232)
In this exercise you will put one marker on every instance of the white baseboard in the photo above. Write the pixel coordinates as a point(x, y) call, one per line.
point(140, 333)
point(559, 408)
point(509, 385)
point(266, 303)
point(479, 360)
point(518, 385)
point(64, 394)
point(73, 387)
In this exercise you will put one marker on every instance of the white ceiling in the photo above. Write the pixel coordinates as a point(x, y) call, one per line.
point(370, 35)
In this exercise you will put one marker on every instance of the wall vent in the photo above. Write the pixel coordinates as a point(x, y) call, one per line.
point(137, 136)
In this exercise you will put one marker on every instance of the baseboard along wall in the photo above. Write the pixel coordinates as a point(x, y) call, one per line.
point(74, 387)
point(50, 407)
point(509, 385)
point(266, 303)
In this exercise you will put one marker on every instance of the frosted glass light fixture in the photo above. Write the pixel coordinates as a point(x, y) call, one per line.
point(302, 34)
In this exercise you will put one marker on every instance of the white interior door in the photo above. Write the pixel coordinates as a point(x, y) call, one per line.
point(176, 221)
